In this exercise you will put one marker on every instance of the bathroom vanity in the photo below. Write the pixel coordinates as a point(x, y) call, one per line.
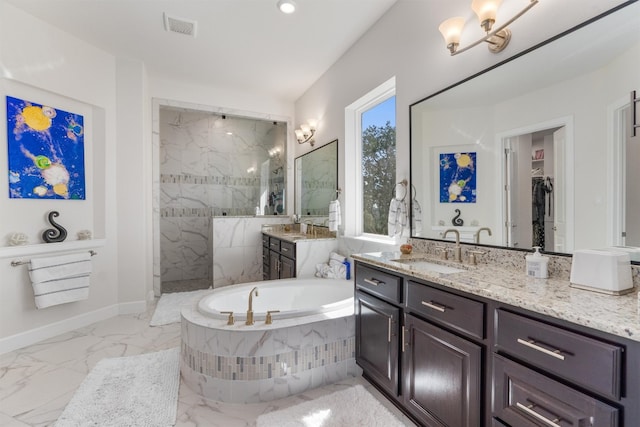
point(278, 258)
point(287, 252)
point(471, 346)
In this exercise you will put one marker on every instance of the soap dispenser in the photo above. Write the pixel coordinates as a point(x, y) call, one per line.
point(537, 264)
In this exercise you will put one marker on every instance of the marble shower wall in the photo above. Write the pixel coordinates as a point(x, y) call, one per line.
point(212, 165)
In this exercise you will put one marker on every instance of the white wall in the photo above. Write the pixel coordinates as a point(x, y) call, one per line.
point(400, 45)
point(120, 92)
point(47, 61)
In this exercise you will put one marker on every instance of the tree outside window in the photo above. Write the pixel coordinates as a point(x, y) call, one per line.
point(378, 165)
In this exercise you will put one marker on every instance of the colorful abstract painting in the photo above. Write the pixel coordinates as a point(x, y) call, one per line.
point(46, 152)
point(458, 178)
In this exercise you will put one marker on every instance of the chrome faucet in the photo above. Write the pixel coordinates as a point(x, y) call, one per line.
point(477, 235)
point(457, 249)
point(250, 309)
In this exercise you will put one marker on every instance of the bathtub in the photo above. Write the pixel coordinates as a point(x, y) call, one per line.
point(292, 297)
point(310, 343)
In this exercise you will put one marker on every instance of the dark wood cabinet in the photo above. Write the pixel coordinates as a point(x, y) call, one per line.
point(278, 258)
point(442, 376)
point(377, 344)
point(448, 358)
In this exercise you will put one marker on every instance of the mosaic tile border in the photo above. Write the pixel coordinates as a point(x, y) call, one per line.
point(236, 368)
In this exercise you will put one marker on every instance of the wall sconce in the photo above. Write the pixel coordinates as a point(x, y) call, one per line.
point(486, 10)
point(306, 132)
point(274, 152)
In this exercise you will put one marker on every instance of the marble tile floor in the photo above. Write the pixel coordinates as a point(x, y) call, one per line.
point(38, 381)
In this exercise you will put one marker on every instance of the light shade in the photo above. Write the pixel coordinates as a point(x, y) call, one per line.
point(451, 30)
point(287, 6)
point(486, 11)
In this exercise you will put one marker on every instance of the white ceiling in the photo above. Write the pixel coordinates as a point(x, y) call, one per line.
point(246, 45)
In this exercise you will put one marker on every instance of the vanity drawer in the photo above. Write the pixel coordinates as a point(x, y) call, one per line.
point(585, 361)
point(376, 282)
point(265, 240)
point(525, 398)
point(288, 249)
point(457, 312)
point(274, 244)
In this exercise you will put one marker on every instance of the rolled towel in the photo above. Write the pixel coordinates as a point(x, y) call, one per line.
point(336, 259)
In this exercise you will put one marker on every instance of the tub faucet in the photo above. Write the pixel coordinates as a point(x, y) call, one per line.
point(487, 229)
point(250, 309)
point(457, 249)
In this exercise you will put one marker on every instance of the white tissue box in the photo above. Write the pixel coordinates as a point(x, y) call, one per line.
point(601, 271)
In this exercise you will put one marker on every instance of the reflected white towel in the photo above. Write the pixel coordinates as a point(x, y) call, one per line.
point(397, 217)
point(335, 219)
point(61, 279)
point(416, 216)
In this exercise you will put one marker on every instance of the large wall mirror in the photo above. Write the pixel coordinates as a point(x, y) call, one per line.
point(537, 151)
point(316, 175)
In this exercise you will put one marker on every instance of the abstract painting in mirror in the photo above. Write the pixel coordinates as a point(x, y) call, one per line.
point(551, 131)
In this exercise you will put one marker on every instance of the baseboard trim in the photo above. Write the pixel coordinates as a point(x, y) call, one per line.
point(132, 307)
point(33, 336)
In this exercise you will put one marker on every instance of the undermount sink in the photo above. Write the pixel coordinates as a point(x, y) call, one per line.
point(294, 236)
point(418, 264)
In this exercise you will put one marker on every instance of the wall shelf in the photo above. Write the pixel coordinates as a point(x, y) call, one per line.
point(48, 248)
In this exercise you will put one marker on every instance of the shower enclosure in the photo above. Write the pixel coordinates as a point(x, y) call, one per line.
point(212, 165)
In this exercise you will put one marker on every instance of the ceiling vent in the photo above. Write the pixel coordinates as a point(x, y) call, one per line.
point(174, 24)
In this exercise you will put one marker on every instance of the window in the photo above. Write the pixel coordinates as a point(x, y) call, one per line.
point(370, 156)
point(378, 162)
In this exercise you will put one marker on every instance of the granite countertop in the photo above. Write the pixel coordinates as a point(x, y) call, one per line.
point(294, 235)
point(617, 315)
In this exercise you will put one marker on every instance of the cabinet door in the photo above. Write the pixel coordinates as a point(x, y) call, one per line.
point(442, 376)
point(287, 268)
point(377, 340)
point(274, 265)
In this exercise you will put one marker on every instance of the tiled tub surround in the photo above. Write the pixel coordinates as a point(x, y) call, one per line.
point(500, 276)
point(258, 363)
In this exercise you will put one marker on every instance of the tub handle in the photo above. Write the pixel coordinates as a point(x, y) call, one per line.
point(230, 319)
point(269, 319)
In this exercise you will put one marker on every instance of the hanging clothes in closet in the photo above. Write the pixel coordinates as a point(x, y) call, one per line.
point(541, 190)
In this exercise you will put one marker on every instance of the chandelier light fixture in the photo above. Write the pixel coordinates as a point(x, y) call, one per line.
point(486, 11)
point(306, 132)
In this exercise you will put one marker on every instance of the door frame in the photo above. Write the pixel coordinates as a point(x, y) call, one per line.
point(502, 138)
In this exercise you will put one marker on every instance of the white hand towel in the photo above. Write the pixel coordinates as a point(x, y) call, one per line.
point(397, 220)
point(335, 219)
point(416, 216)
point(61, 279)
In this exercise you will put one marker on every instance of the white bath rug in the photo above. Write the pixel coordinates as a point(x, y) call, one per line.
point(136, 391)
point(169, 306)
point(354, 406)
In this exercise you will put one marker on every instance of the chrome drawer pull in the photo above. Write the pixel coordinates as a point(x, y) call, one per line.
point(533, 413)
point(532, 344)
point(389, 331)
point(285, 250)
point(374, 282)
point(430, 304)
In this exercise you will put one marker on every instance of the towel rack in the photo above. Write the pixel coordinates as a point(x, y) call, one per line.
point(23, 262)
